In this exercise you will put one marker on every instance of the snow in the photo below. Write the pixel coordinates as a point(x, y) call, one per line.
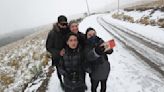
point(150, 32)
point(17, 60)
point(128, 72)
point(157, 15)
point(54, 83)
point(137, 15)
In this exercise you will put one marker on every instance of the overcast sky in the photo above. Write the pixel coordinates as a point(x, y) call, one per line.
point(20, 14)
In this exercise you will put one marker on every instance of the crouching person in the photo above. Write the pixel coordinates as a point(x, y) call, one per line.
point(71, 65)
point(98, 61)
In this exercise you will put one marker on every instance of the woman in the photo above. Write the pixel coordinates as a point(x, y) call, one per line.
point(100, 67)
point(71, 65)
point(74, 28)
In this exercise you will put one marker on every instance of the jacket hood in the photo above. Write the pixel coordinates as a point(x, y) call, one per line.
point(55, 27)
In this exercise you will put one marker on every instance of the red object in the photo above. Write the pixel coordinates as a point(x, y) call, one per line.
point(111, 43)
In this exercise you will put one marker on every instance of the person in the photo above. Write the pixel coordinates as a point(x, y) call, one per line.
point(73, 26)
point(71, 65)
point(100, 67)
point(56, 42)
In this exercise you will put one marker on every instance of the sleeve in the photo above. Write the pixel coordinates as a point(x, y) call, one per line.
point(85, 65)
point(92, 55)
point(61, 68)
point(50, 45)
point(109, 51)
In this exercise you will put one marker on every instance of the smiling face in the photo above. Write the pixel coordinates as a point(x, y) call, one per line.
point(91, 33)
point(74, 28)
point(72, 42)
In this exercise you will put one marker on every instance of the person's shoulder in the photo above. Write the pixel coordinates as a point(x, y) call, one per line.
point(55, 28)
point(100, 39)
point(81, 33)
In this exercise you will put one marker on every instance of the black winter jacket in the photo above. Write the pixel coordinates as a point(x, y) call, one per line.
point(56, 42)
point(71, 66)
point(99, 64)
point(81, 38)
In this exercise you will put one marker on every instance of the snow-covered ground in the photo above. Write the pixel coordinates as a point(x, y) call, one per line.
point(138, 14)
point(22, 60)
point(129, 73)
point(152, 38)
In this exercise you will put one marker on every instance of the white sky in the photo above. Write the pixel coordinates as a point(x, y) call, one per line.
point(20, 14)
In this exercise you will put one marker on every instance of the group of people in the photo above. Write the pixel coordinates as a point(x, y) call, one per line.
point(74, 54)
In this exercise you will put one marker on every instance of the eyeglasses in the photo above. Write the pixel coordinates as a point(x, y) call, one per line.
point(63, 24)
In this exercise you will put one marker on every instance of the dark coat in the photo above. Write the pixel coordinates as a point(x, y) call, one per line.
point(71, 66)
point(81, 38)
point(56, 42)
point(99, 64)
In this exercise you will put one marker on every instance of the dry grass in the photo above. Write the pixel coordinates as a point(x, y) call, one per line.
point(123, 17)
point(14, 63)
point(35, 56)
point(146, 6)
point(161, 22)
point(153, 22)
point(6, 79)
point(46, 59)
point(145, 20)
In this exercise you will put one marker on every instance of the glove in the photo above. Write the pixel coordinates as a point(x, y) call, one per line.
point(99, 50)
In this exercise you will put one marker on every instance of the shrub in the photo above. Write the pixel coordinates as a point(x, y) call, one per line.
point(6, 79)
point(128, 18)
point(36, 56)
point(152, 22)
point(144, 20)
point(161, 22)
point(14, 63)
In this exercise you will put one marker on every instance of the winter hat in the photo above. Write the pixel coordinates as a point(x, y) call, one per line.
point(62, 18)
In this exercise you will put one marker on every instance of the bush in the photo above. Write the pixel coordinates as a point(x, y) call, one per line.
point(6, 79)
point(153, 22)
point(118, 16)
point(162, 9)
point(161, 22)
point(123, 17)
point(35, 56)
point(128, 18)
point(14, 63)
point(36, 70)
point(46, 59)
point(144, 20)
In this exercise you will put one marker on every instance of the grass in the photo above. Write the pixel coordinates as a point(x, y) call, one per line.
point(6, 79)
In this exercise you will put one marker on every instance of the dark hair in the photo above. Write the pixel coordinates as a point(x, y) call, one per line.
point(71, 34)
point(62, 18)
point(89, 29)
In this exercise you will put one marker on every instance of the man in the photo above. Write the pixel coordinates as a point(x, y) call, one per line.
point(56, 42)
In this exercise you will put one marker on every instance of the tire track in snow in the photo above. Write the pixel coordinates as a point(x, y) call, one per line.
point(122, 38)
